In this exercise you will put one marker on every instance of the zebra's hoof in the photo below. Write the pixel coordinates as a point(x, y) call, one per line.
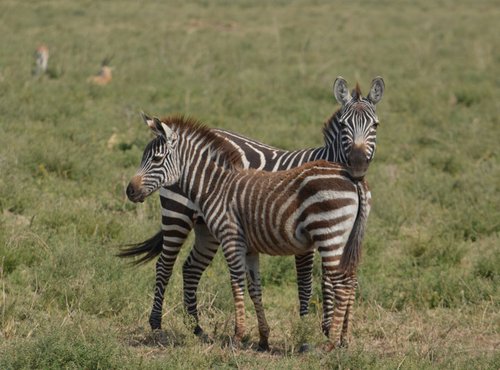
point(234, 343)
point(263, 346)
point(155, 323)
point(344, 343)
point(198, 331)
point(159, 337)
point(305, 348)
point(330, 346)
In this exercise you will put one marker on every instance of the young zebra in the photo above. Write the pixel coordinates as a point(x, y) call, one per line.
point(349, 139)
point(318, 205)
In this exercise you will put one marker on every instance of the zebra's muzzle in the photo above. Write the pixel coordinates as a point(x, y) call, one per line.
point(357, 162)
point(134, 192)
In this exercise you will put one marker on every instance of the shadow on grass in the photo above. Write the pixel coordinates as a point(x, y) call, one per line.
point(276, 350)
point(158, 338)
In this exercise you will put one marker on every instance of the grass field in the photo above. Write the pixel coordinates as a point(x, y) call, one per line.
point(429, 278)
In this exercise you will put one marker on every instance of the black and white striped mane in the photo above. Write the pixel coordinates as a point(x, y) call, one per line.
point(191, 127)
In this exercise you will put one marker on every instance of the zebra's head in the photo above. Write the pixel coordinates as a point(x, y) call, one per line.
point(358, 124)
point(159, 164)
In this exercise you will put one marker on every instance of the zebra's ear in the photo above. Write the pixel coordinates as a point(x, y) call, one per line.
point(159, 128)
point(377, 90)
point(340, 91)
point(153, 123)
point(149, 121)
point(163, 130)
point(170, 135)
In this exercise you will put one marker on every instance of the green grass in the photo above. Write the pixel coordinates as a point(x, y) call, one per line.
point(430, 273)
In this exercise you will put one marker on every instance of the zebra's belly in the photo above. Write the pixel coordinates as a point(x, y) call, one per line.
point(274, 245)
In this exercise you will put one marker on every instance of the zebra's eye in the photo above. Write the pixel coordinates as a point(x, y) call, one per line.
point(157, 157)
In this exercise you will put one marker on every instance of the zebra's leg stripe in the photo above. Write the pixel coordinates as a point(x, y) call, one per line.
point(255, 291)
point(304, 266)
point(171, 246)
point(200, 257)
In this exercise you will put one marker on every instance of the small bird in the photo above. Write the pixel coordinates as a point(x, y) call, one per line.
point(41, 60)
point(104, 76)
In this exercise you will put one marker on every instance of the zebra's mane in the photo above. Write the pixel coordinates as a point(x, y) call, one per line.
point(190, 126)
point(356, 92)
point(331, 127)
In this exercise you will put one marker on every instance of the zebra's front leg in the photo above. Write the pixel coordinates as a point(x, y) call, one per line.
point(202, 254)
point(234, 253)
point(255, 291)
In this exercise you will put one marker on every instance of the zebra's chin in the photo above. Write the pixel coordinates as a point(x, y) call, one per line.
point(137, 199)
point(356, 173)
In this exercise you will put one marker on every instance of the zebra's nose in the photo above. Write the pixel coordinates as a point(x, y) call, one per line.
point(357, 159)
point(134, 192)
point(130, 191)
point(357, 162)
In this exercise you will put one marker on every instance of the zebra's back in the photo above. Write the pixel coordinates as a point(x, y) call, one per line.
point(259, 156)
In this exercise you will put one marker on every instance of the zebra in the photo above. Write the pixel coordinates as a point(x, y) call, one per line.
point(319, 205)
point(349, 137)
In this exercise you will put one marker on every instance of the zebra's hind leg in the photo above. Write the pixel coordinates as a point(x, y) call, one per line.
point(164, 267)
point(304, 267)
point(176, 224)
point(255, 291)
point(329, 262)
point(342, 287)
point(346, 327)
point(202, 254)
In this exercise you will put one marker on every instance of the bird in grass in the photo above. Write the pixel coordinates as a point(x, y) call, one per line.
point(41, 60)
point(104, 76)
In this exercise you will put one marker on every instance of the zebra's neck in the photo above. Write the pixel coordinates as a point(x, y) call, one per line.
point(200, 174)
point(332, 151)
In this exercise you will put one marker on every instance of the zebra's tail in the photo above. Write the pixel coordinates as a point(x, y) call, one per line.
point(352, 251)
point(149, 248)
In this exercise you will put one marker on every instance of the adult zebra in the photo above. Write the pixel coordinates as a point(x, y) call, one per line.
point(319, 205)
point(349, 139)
